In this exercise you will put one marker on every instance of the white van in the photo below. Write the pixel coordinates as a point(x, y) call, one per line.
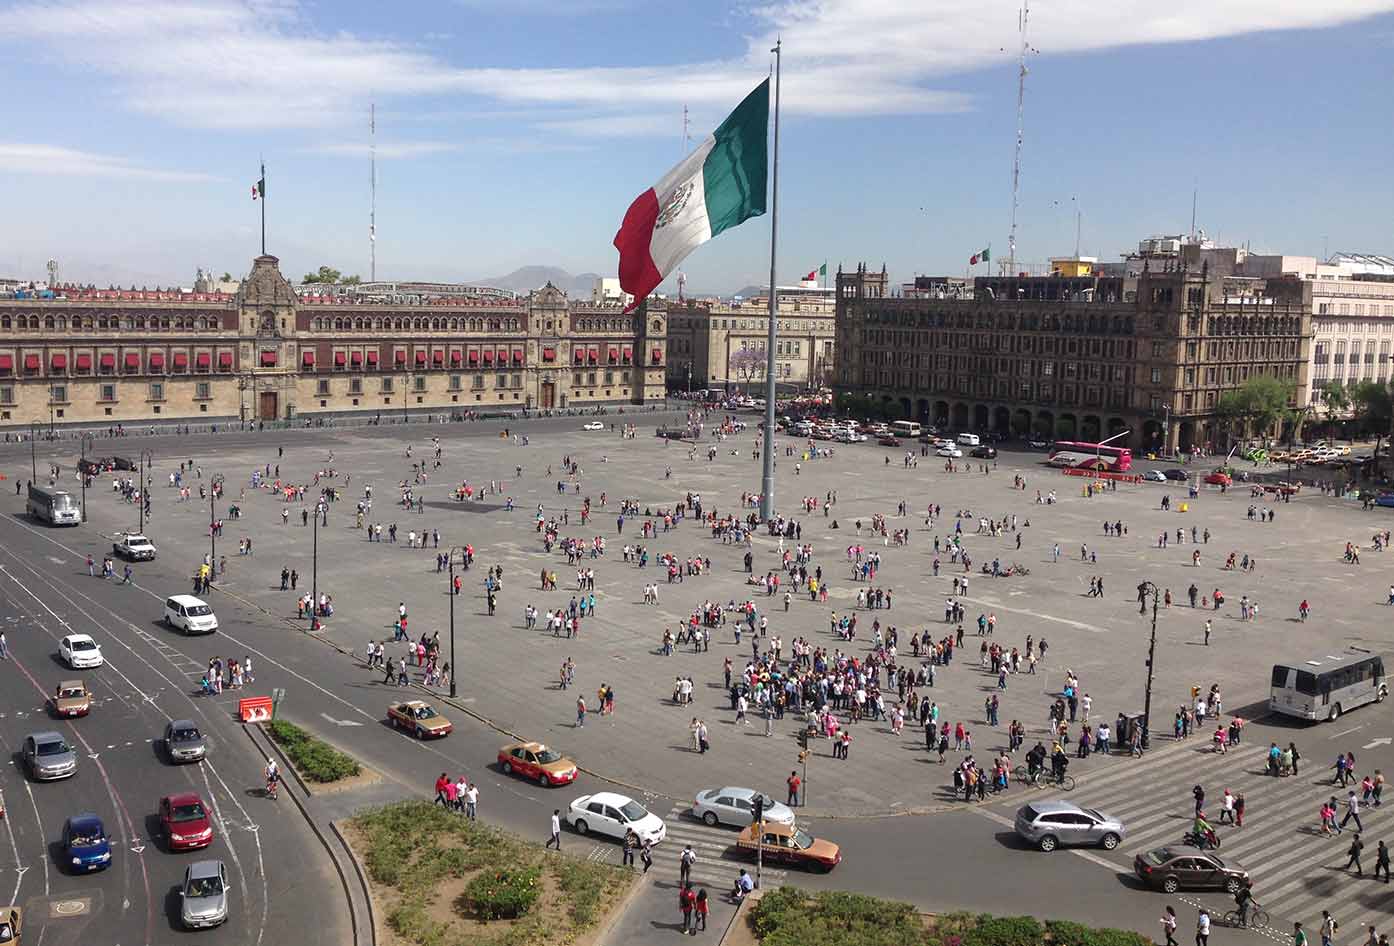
point(190, 615)
point(969, 440)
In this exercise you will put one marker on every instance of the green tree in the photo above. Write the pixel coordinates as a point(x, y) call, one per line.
point(227, 277)
point(1337, 400)
point(326, 274)
point(353, 280)
point(1256, 405)
point(1374, 407)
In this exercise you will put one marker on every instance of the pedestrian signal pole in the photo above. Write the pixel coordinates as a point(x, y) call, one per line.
point(803, 760)
point(759, 837)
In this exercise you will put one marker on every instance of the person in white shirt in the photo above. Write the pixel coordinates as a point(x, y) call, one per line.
point(1203, 929)
point(471, 802)
point(556, 830)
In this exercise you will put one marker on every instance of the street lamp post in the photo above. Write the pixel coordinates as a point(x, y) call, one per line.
point(454, 667)
point(147, 459)
point(1146, 589)
point(214, 485)
point(314, 567)
point(82, 474)
point(33, 453)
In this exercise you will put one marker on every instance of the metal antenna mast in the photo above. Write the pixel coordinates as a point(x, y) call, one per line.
point(373, 190)
point(1009, 265)
point(686, 135)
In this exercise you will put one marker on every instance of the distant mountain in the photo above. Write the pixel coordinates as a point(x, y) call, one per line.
point(527, 278)
point(748, 292)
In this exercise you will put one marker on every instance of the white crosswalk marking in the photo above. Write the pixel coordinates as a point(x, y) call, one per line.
point(718, 863)
point(1296, 871)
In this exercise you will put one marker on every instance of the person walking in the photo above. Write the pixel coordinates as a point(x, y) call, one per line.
point(1382, 861)
point(631, 842)
point(4, 647)
point(646, 855)
point(685, 862)
point(1203, 928)
point(580, 711)
point(472, 801)
point(687, 902)
point(1299, 935)
point(794, 781)
point(1352, 811)
point(701, 911)
point(554, 840)
point(1328, 928)
point(1169, 926)
point(1356, 846)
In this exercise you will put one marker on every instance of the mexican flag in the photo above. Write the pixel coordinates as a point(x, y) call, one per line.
point(718, 186)
point(815, 273)
point(259, 188)
point(984, 257)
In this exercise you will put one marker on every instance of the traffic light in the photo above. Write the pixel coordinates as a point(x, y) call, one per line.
point(759, 808)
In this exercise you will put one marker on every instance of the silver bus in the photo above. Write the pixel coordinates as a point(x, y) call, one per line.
point(1325, 687)
point(53, 506)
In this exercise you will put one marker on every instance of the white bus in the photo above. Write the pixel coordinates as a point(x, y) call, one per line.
point(906, 428)
point(53, 506)
point(1326, 687)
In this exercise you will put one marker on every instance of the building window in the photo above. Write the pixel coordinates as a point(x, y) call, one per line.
point(58, 393)
point(355, 385)
point(386, 385)
point(1156, 375)
point(517, 381)
point(322, 386)
point(203, 390)
point(157, 391)
point(477, 382)
point(420, 383)
point(454, 382)
point(108, 392)
point(590, 379)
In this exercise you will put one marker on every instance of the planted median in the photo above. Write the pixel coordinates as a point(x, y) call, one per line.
point(313, 758)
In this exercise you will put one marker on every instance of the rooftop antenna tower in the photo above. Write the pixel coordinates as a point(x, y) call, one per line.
point(1195, 191)
point(373, 192)
point(686, 133)
point(1009, 264)
point(682, 284)
point(52, 274)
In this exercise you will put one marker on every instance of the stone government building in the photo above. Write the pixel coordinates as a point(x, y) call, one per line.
point(1071, 356)
point(270, 353)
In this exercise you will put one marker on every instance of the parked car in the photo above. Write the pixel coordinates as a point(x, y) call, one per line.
point(1172, 869)
point(184, 742)
point(80, 651)
point(1049, 824)
point(612, 814)
point(593, 425)
point(533, 760)
point(133, 546)
point(185, 822)
point(888, 440)
point(984, 452)
point(788, 844)
point(72, 699)
point(418, 718)
point(1154, 476)
point(949, 450)
point(204, 895)
point(1177, 475)
point(48, 756)
point(1219, 478)
point(86, 846)
point(736, 806)
point(1036, 443)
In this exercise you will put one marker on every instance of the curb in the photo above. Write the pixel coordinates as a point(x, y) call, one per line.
point(358, 895)
point(601, 932)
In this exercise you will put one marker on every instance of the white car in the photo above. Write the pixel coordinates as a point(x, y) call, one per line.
point(949, 450)
point(736, 806)
point(594, 425)
point(80, 651)
point(1155, 476)
point(612, 814)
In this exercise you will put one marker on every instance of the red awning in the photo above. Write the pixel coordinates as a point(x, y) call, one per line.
point(7, 363)
point(420, 357)
point(340, 358)
point(628, 354)
point(549, 354)
point(58, 362)
point(613, 355)
point(437, 357)
point(181, 361)
point(307, 358)
point(658, 356)
point(132, 360)
point(157, 360)
point(517, 356)
point(401, 357)
point(108, 360)
point(474, 357)
point(268, 359)
point(580, 356)
point(84, 362)
point(372, 358)
point(454, 356)
point(488, 356)
point(224, 361)
point(503, 357)
point(202, 360)
point(31, 362)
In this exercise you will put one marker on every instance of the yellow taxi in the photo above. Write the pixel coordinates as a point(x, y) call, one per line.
point(11, 922)
point(418, 718)
point(534, 761)
point(789, 844)
point(72, 698)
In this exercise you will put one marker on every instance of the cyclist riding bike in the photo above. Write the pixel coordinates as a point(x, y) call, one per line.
point(1035, 761)
point(1244, 900)
point(1202, 833)
point(273, 778)
point(1058, 761)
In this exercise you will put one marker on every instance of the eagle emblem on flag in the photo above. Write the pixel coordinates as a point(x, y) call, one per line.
point(673, 204)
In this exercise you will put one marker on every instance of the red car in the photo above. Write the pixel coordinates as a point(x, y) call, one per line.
point(1219, 478)
point(185, 822)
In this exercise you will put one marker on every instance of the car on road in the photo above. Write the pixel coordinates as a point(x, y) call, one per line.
point(204, 895)
point(789, 844)
point(1154, 476)
point(533, 760)
point(184, 742)
point(11, 925)
point(418, 718)
point(1050, 824)
point(1283, 488)
point(1177, 475)
point(72, 698)
point(736, 806)
point(1219, 478)
point(888, 440)
point(133, 546)
point(949, 450)
point(1172, 869)
point(612, 814)
point(984, 452)
point(190, 615)
point(86, 846)
point(593, 425)
point(122, 463)
point(185, 823)
point(1036, 443)
point(79, 651)
point(48, 756)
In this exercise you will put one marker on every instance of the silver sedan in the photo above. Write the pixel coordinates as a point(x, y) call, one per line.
point(736, 807)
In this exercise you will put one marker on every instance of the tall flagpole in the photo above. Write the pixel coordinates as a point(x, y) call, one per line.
point(262, 184)
point(767, 482)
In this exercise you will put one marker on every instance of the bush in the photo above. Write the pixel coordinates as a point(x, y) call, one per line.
point(1076, 934)
point(503, 893)
point(315, 759)
point(1005, 931)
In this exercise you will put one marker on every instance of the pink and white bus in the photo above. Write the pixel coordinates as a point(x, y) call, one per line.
point(1091, 456)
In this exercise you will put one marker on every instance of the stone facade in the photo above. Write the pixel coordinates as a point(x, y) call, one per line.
point(705, 337)
point(266, 353)
point(1073, 358)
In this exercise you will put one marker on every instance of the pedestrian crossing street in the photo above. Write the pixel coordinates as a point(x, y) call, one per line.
point(1296, 871)
point(718, 863)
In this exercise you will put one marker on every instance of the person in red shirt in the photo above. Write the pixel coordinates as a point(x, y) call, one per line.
point(441, 782)
point(687, 901)
point(794, 784)
point(701, 921)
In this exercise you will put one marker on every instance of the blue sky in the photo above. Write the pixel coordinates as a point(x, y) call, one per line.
point(517, 133)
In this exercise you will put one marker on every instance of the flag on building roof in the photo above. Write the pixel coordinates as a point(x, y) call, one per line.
point(982, 257)
point(721, 184)
point(259, 188)
point(812, 275)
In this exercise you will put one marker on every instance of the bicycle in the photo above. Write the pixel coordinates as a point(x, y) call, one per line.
point(1258, 917)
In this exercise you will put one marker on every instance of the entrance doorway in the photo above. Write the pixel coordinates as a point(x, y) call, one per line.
point(548, 394)
point(268, 406)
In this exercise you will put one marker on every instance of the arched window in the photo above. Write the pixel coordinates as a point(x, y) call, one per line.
point(48, 322)
point(4, 321)
point(34, 322)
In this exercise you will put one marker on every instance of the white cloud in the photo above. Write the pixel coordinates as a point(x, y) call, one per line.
point(226, 63)
point(54, 160)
